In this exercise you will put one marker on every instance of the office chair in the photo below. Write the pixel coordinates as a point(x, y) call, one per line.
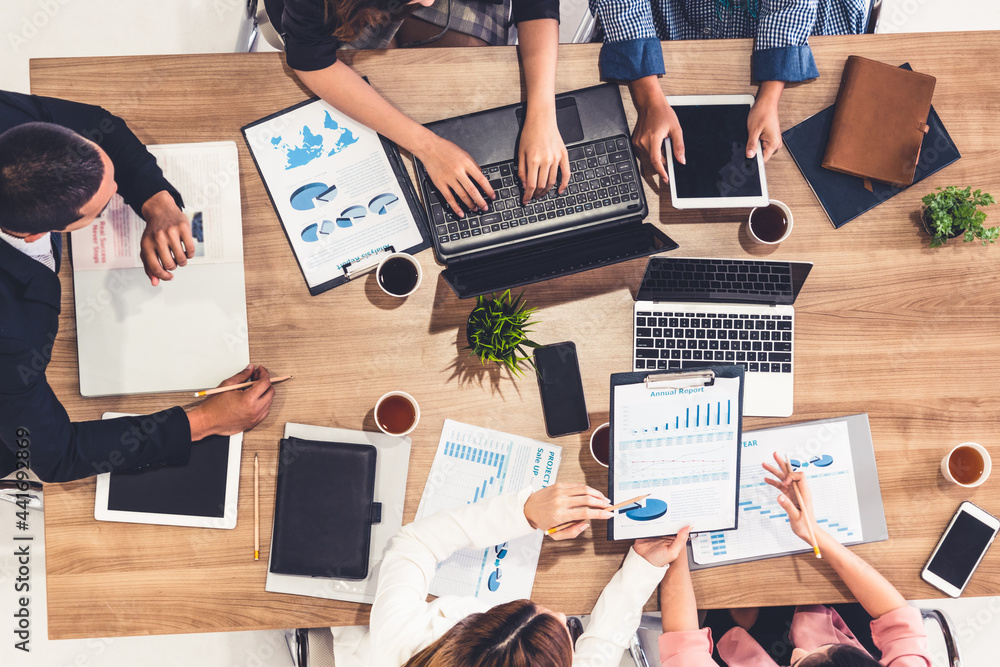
point(944, 621)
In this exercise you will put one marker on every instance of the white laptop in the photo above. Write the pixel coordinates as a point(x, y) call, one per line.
point(693, 312)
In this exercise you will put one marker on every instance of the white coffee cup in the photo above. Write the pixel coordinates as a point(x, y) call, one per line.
point(398, 256)
point(987, 464)
point(605, 427)
point(382, 423)
point(788, 219)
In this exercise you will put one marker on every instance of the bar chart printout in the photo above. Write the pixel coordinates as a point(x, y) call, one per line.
point(823, 453)
point(680, 445)
point(472, 464)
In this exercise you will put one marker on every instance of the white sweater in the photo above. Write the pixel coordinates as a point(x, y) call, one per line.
point(403, 622)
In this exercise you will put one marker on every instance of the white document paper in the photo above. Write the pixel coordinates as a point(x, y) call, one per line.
point(207, 177)
point(333, 187)
point(471, 464)
point(126, 328)
point(678, 444)
point(823, 452)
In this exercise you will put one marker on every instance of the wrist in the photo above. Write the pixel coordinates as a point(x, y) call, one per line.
point(646, 91)
point(198, 423)
point(421, 142)
point(769, 92)
point(157, 204)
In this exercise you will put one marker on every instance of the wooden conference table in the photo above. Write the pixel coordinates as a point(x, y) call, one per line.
point(885, 326)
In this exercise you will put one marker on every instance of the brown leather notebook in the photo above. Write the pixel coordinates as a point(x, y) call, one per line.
point(879, 121)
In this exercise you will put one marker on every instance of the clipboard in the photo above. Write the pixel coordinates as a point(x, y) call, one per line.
point(368, 261)
point(675, 435)
point(863, 494)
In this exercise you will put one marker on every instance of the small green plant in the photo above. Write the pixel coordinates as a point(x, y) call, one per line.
point(497, 331)
point(952, 211)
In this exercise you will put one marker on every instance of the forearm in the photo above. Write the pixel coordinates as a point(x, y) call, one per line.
point(539, 49)
point(871, 589)
point(769, 93)
point(677, 602)
point(646, 92)
point(341, 86)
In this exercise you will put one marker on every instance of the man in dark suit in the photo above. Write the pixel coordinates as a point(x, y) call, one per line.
point(60, 164)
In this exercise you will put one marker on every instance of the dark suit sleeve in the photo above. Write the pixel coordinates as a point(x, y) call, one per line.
point(136, 172)
point(529, 10)
point(61, 450)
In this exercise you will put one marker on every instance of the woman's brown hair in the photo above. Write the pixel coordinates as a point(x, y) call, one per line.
point(514, 634)
point(353, 16)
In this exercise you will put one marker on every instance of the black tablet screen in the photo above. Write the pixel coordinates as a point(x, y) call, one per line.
point(715, 140)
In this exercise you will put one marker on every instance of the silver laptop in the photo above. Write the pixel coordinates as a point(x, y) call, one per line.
point(691, 312)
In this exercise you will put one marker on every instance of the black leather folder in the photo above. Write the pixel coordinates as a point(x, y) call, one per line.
point(324, 509)
point(843, 196)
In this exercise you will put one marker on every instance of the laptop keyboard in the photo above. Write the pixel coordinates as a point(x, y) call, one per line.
point(603, 185)
point(714, 275)
point(669, 340)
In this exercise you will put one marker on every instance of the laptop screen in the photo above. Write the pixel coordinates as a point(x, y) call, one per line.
point(722, 280)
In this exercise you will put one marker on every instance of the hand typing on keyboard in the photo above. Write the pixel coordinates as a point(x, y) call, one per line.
point(541, 157)
point(456, 176)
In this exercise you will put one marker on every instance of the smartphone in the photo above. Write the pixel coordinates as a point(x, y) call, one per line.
point(561, 387)
point(960, 550)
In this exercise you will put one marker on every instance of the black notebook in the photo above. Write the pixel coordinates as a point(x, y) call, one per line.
point(844, 197)
point(324, 509)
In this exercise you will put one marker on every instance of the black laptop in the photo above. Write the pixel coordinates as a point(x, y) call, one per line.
point(597, 221)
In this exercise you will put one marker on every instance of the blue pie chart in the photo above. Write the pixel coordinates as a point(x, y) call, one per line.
point(309, 234)
point(821, 461)
point(653, 509)
point(494, 581)
point(311, 195)
point(382, 204)
point(351, 215)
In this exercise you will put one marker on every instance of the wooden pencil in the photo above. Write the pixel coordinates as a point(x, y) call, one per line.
point(256, 508)
point(612, 508)
point(232, 387)
point(805, 512)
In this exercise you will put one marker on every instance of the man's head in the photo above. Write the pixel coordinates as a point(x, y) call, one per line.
point(51, 179)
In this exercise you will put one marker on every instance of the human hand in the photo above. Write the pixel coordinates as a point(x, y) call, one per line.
point(788, 500)
point(452, 170)
point(660, 551)
point(762, 123)
point(234, 411)
point(166, 242)
point(541, 156)
point(561, 503)
point(656, 122)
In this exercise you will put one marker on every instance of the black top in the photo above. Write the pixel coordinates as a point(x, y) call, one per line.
point(31, 418)
point(309, 41)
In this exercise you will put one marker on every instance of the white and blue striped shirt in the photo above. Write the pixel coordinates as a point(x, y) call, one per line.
point(780, 29)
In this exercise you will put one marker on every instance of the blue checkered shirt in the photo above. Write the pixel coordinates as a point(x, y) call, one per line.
point(781, 29)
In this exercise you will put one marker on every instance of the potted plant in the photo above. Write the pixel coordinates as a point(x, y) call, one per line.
point(952, 212)
point(497, 331)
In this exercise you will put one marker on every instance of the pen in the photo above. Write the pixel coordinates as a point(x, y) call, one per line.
point(256, 508)
point(242, 385)
point(805, 513)
point(556, 529)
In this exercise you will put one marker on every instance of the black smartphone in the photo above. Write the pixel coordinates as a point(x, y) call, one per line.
point(962, 547)
point(561, 387)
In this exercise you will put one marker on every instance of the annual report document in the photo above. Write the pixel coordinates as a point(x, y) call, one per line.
point(472, 464)
point(334, 188)
point(680, 445)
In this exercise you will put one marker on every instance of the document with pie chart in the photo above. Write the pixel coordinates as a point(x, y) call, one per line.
point(339, 189)
point(676, 442)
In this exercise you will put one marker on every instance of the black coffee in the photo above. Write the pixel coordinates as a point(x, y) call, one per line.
point(398, 276)
point(769, 223)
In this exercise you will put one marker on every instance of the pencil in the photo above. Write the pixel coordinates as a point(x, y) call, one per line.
point(256, 508)
point(802, 506)
point(561, 526)
point(242, 385)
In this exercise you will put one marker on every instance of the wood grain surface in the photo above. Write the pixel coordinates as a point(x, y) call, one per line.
point(884, 326)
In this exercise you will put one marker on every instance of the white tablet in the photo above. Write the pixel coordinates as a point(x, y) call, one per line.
point(201, 494)
point(717, 174)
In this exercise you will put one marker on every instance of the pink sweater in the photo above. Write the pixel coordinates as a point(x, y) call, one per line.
point(899, 634)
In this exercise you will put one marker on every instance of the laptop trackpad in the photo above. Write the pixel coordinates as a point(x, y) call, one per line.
point(567, 118)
